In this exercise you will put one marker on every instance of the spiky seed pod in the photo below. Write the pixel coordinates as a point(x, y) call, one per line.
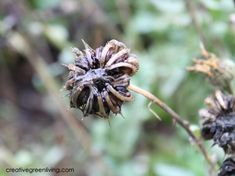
point(228, 167)
point(218, 121)
point(98, 79)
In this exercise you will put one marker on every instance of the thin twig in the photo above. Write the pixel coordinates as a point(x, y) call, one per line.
point(183, 123)
point(190, 7)
point(52, 88)
point(152, 111)
point(75, 125)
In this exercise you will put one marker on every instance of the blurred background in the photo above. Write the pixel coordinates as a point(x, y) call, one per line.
point(37, 128)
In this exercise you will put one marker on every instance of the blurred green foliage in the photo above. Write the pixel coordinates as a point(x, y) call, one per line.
point(163, 37)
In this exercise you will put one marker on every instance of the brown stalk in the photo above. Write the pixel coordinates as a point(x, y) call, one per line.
point(183, 123)
point(52, 88)
point(190, 7)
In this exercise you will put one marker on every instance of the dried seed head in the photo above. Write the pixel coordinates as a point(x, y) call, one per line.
point(216, 70)
point(98, 79)
point(228, 167)
point(218, 120)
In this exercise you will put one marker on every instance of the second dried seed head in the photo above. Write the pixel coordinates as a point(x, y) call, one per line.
point(218, 121)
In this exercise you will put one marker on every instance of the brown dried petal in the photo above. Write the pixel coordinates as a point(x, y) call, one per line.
point(218, 72)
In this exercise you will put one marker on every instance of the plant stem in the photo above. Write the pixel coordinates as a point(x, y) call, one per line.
point(51, 86)
point(190, 7)
point(183, 123)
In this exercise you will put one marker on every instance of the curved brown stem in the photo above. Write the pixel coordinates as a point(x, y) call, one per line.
point(183, 123)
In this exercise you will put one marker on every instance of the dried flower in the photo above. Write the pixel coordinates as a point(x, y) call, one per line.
point(216, 70)
point(228, 167)
point(98, 80)
point(218, 120)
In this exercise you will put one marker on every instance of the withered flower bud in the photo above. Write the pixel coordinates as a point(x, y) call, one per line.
point(218, 72)
point(228, 167)
point(98, 79)
point(218, 121)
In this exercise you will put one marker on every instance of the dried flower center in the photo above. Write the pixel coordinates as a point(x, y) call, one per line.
point(97, 77)
point(95, 74)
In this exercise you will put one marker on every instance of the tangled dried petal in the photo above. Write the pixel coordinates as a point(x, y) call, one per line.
point(218, 121)
point(216, 70)
point(228, 167)
point(98, 79)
